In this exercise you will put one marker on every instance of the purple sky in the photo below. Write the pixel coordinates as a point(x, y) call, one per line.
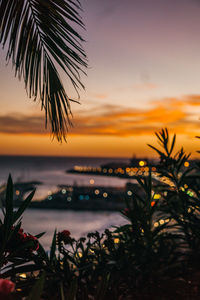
point(142, 54)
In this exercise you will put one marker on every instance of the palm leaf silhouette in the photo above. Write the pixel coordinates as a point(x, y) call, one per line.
point(39, 38)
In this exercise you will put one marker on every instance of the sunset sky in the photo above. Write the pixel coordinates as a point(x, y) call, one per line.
point(144, 74)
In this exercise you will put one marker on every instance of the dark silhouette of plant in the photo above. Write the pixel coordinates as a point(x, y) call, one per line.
point(154, 256)
point(40, 39)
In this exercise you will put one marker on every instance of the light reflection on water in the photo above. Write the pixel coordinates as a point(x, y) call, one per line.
point(78, 223)
point(51, 171)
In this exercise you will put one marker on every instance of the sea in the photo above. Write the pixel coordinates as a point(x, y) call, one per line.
point(52, 172)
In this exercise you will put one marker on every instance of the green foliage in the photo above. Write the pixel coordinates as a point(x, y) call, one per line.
point(37, 288)
point(154, 256)
point(12, 240)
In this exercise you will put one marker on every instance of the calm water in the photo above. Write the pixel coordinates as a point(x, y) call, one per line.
point(52, 172)
point(78, 223)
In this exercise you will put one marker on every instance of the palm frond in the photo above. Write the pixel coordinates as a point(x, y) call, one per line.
point(40, 39)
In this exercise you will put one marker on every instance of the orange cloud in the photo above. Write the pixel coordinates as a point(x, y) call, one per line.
point(193, 100)
point(145, 86)
point(98, 95)
point(20, 124)
point(115, 120)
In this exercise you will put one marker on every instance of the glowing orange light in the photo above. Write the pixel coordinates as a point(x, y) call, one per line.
point(23, 275)
point(116, 240)
point(96, 192)
point(186, 164)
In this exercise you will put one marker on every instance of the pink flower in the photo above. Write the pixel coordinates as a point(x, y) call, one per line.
point(19, 238)
point(6, 286)
point(34, 239)
point(65, 233)
point(24, 237)
point(64, 236)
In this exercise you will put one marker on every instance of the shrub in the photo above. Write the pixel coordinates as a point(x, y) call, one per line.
point(154, 256)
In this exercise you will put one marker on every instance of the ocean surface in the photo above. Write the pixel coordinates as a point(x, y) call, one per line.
point(51, 171)
point(78, 223)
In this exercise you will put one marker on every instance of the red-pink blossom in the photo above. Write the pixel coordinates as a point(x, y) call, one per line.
point(65, 233)
point(64, 236)
point(34, 239)
point(6, 286)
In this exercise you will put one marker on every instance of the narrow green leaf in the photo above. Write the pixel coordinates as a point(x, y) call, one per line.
point(53, 247)
point(40, 235)
point(102, 288)
point(43, 254)
point(37, 288)
point(8, 221)
point(23, 269)
point(73, 290)
point(23, 206)
point(172, 145)
point(154, 148)
point(62, 295)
